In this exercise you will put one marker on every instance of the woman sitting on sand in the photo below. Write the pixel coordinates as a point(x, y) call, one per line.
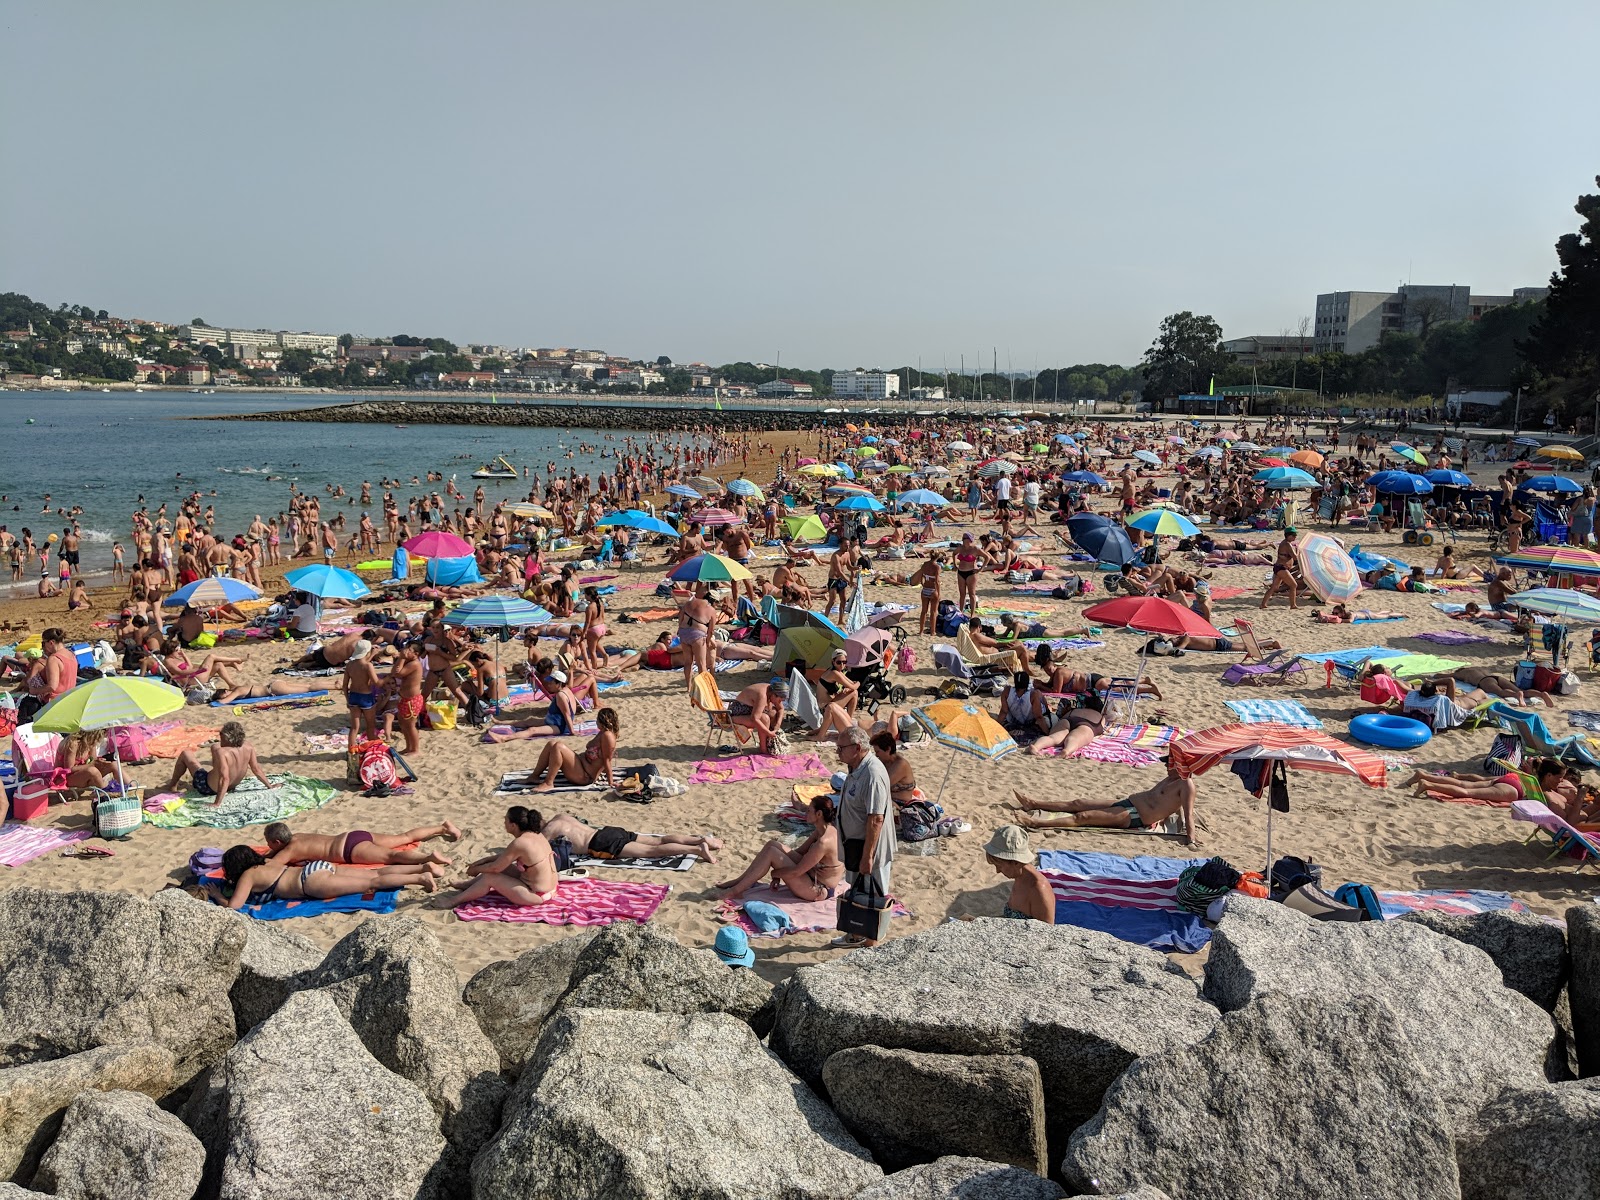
point(557, 721)
point(523, 873)
point(813, 870)
point(254, 880)
point(592, 766)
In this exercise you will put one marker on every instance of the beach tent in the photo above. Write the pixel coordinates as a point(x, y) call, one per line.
point(453, 572)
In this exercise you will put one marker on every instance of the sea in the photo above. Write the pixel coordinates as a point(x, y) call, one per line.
point(106, 450)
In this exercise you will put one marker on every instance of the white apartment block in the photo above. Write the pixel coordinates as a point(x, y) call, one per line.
point(317, 343)
point(866, 385)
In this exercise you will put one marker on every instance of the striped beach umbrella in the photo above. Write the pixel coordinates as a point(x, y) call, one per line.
point(1570, 559)
point(497, 612)
point(1557, 602)
point(1164, 523)
point(744, 487)
point(1328, 570)
point(714, 516)
point(209, 593)
point(684, 490)
point(709, 568)
point(1411, 453)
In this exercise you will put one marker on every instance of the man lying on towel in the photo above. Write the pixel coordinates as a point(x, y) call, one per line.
point(357, 847)
point(1142, 810)
point(610, 841)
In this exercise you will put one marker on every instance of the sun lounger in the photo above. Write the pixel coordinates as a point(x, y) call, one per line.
point(1536, 736)
point(1564, 838)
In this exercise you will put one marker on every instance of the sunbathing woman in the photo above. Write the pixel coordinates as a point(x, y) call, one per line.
point(1491, 789)
point(273, 687)
point(1496, 685)
point(1076, 729)
point(253, 879)
point(592, 765)
point(811, 871)
point(185, 674)
point(523, 873)
point(557, 721)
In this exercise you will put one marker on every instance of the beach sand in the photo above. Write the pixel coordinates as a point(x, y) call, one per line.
point(1387, 838)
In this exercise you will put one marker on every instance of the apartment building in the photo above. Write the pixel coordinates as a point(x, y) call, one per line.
point(858, 384)
point(1356, 321)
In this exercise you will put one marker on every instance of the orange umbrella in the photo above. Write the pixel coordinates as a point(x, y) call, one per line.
point(1309, 459)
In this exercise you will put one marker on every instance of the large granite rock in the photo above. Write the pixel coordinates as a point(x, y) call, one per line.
point(957, 1178)
point(273, 966)
point(659, 1106)
point(1583, 990)
point(908, 1107)
point(1534, 1144)
point(310, 1112)
point(1081, 1004)
point(399, 991)
point(1531, 953)
point(34, 1097)
point(119, 1145)
point(85, 969)
point(1472, 1034)
point(513, 998)
point(1290, 1096)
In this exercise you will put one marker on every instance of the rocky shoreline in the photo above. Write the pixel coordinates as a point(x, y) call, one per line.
point(171, 1050)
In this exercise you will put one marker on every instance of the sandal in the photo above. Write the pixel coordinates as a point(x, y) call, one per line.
point(848, 941)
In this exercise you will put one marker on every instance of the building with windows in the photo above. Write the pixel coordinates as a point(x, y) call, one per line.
point(323, 344)
point(1356, 321)
point(1267, 347)
point(866, 385)
point(786, 388)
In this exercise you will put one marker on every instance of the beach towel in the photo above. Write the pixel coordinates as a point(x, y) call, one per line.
point(678, 862)
point(1109, 750)
point(1228, 593)
point(176, 738)
point(1411, 666)
point(247, 804)
point(1076, 643)
point(1146, 737)
point(520, 783)
point(1350, 658)
point(1447, 607)
point(1463, 903)
point(656, 614)
point(805, 916)
point(326, 743)
point(759, 766)
point(281, 910)
point(580, 901)
point(1284, 712)
point(21, 843)
point(260, 703)
point(1451, 637)
point(1375, 620)
point(1134, 899)
point(1582, 719)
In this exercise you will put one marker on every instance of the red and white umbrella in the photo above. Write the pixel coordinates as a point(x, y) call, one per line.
point(715, 516)
point(1151, 614)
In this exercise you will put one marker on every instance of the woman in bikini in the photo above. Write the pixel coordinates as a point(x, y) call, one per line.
point(1075, 729)
point(592, 765)
point(523, 873)
point(489, 675)
point(927, 578)
point(967, 559)
point(811, 871)
point(1506, 788)
point(557, 721)
point(255, 880)
point(594, 628)
point(696, 619)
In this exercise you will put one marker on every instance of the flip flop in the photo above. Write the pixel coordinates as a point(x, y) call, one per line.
point(88, 852)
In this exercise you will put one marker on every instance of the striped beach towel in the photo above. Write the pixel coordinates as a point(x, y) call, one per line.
point(1284, 712)
point(1134, 899)
point(21, 843)
point(579, 901)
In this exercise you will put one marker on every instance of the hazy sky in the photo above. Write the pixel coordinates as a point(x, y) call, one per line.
point(849, 184)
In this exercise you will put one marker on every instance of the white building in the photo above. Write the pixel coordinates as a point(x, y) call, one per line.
point(783, 387)
point(1356, 321)
point(866, 385)
point(326, 344)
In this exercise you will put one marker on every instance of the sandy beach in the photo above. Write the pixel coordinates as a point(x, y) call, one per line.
point(1387, 838)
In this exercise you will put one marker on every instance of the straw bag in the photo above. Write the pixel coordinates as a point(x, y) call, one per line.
point(116, 816)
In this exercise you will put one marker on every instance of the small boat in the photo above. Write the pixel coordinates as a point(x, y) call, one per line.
point(498, 469)
point(402, 427)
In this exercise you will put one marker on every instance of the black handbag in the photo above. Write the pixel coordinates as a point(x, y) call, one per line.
point(864, 910)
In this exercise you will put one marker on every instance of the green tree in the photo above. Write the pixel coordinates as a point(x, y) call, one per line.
point(677, 381)
point(297, 362)
point(346, 341)
point(1185, 356)
point(1563, 352)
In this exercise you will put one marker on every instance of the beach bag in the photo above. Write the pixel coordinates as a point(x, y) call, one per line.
point(1359, 895)
point(441, 714)
point(130, 744)
point(1204, 882)
point(1019, 577)
point(203, 862)
point(1525, 671)
point(1505, 753)
point(906, 660)
point(377, 765)
point(864, 910)
point(116, 816)
point(918, 821)
point(561, 852)
point(1568, 684)
point(1290, 872)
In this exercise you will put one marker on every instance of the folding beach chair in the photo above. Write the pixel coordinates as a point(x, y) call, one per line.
point(34, 754)
point(1257, 667)
point(977, 658)
point(1536, 736)
point(1122, 701)
point(703, 694)
point(1564, 838)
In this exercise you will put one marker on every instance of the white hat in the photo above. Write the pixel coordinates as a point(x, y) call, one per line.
point(559, 676)
point(360, 650)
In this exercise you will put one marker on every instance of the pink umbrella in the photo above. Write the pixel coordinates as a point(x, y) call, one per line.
point(436, 543)
point(715, 516)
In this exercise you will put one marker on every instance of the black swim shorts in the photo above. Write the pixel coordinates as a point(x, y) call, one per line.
point(609, 841)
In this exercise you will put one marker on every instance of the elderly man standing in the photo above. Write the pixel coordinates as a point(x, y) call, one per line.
point(864, 819)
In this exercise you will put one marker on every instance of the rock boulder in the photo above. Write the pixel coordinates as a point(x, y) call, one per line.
point(512, 998)
point(1292, 1095)
point(1534, 1144)
point(1473, 1035)
point(1081, 1004)
point(273, 966)
point(957, 1178)
point(1531, 954)
point(658, 1106)
point(117, 1145)
point(1583, 990)
point(34, 1097)
point(85, 969)
point(908, 1107)
point(310, 1112)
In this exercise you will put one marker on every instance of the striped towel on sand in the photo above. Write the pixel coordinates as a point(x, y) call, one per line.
point(21, 843)
point(1284, 712)
point(578, 901)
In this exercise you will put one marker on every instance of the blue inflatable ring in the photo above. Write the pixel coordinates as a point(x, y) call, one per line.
point(1386, 729)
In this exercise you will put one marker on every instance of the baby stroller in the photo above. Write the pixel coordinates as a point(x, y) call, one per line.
point(867, 654)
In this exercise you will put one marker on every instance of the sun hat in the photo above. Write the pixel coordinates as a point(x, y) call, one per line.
point(1010, 843)
point(733, 947)
point(360, 650)
point(559, 676)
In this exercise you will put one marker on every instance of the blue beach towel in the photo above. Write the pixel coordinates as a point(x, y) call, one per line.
point(1132, 899)
point(1350, 658)
point(282, 910)
point(1285, 712)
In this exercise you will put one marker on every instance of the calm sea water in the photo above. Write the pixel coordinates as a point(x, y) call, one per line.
point(103, 450)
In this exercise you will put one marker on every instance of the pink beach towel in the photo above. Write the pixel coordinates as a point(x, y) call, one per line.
point(21, 843)
point(759, 766)
point(809, 916)
point(578, 901)
point(1111, 750)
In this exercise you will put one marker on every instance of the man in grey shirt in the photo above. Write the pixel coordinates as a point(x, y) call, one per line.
point(866, 819)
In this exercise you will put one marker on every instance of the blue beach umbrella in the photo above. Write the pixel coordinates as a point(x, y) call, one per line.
point(1148, 457)
point(1282, 451)
point(862, 503)
point(1400, 483)
point(206, 593)
point(634, 519)
point(1557, 484)
point(846, 470)
point(327, 582)
point(1085, 477)
point(1284, 477)
point(497, 612)
point(1446, 478)
point(922, 496)
point(684, 490)
point(744, 487)
point(1098, 536)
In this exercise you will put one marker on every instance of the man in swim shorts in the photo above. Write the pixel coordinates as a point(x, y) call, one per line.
point(232, 759)
point(613, 842)
point(1142, 810)
point(358, 847)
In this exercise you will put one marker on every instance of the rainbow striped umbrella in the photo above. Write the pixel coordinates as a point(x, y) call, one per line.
point(713, 516)
point(1327, 568)
point(1570, 559)
point(1410, 452)
point(1164, 523)
point(709, 568)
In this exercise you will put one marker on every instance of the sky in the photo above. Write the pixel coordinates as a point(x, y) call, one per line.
point(825, 184)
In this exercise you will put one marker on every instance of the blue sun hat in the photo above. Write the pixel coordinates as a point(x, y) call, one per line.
point(733, 947)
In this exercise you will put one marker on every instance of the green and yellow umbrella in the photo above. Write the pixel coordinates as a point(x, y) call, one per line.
point(710, 568)
point(866, 451)
point(806, 528)
point(816, 646)
point(108, 702)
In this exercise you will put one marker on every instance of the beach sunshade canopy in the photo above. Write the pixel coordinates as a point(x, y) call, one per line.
point(533, 512)
point(1269, 460)
point(1558, 484)
point(1570, 559)
point(436, 543)
point(1557, 602)
point(108, 702)
point(998, 467)
point(1444, 477)
point(1399, 483)
point(1306, 458)
point(861, 503)
point(327, 582)
point(867, 644)
point(963, 725)
point(207, 593)
point(789, 616)
point(1246, 446)
point(846, 489)
point(1209, 452)
point(866, 451)
point(1564, 453)
point(815, 646)
point(1328, 570)
point(922, 496)
point(1107, 542)
point(1150, 614)
point(1281, 451)
point(802, 528)
point(713, 516)
point(632, 518)
point(1164, 522)
point(497, 612)
point(1088, 478)
point(899, 469)
point(1411, 453)
point(1284, 477)
point(1148, 456)
point(684, 490)
point(1526, 441)
point(845, 469)
point(453, 572)
point(745, 487)
point(1303, 749)
point(709, 568)
point(958, 446)
point(705, 483)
